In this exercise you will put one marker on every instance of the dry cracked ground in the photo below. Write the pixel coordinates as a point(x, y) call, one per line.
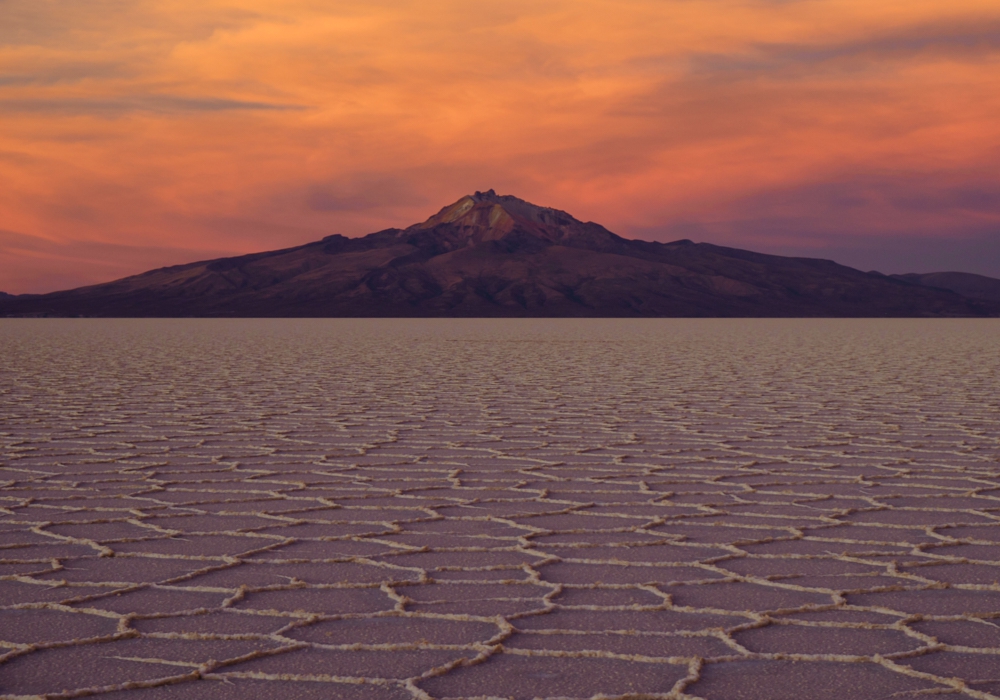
point(402, 510)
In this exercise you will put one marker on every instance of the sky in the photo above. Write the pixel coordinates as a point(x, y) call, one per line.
point(136, 134)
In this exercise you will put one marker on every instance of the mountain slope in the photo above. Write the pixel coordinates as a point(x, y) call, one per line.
point(492, 255)
point(964, 283)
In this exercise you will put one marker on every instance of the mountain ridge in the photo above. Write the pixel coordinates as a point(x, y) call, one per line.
point(965, 283)
point(497, 255)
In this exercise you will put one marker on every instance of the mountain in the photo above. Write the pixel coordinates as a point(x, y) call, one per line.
point(492, 255)
point(965, 283)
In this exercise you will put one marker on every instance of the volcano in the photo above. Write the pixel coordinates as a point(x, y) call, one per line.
point(490, 255)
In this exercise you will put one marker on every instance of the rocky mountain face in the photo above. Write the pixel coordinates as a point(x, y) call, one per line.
point(489, 255)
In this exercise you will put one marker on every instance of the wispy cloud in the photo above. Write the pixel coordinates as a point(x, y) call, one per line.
point(163, 104)
point(178, 125)
point(965, 41)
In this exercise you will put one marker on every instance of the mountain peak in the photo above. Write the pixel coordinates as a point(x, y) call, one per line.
point(490, 216)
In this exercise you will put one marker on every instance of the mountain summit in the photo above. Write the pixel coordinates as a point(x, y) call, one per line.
point(498, 213)
point(498, 255)
point(513, 222)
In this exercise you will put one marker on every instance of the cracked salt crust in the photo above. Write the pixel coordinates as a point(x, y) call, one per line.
point(441, 510)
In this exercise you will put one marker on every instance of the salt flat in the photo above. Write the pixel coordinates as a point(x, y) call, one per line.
point(719, 509)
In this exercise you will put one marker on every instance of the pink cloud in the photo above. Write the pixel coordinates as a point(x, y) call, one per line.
point(182, 130)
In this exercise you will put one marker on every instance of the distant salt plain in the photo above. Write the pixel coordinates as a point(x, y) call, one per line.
point(414, 509)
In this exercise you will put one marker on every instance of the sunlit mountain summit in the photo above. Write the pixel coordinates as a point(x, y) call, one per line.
point(493, 255)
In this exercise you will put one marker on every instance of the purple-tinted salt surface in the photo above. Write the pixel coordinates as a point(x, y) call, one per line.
point(393, 510)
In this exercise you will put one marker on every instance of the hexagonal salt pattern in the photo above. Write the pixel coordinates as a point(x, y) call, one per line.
point(413, 509)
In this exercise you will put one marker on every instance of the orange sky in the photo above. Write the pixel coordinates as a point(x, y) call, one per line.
point(138, 133)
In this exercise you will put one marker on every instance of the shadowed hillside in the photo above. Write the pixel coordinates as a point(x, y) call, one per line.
point(964, 283)
point(490, 255)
